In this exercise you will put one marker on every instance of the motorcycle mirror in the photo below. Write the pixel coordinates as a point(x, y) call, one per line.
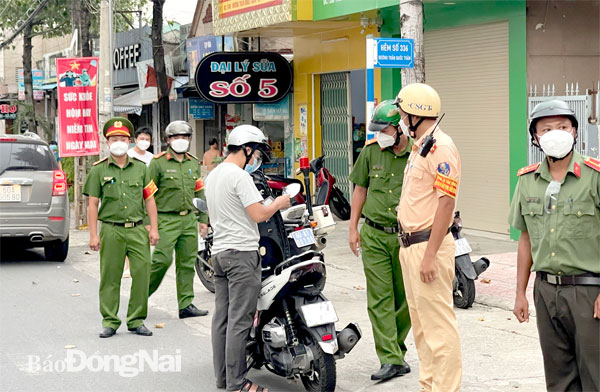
point(200, 204)
point(291, 189)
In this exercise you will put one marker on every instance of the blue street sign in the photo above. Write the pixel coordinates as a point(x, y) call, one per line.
point(394, 53)
point(200, 109)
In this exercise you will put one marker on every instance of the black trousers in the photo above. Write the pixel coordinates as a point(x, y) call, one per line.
point(569, 335)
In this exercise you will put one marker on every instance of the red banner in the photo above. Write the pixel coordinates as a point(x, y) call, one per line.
point(77, 80)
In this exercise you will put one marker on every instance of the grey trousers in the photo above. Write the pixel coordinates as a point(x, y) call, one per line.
point(569, 335)
point(237, 285)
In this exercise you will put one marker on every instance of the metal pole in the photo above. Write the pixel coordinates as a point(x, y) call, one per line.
point(105, 92)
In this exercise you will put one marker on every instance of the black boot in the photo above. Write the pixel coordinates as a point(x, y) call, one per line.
point(191, 311)
point(141, 330)
point(388, 371)
point(107, 332)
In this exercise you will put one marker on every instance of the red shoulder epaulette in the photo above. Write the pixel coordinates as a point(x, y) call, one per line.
point(593, 163)
point(528, 169)
point(160, 155)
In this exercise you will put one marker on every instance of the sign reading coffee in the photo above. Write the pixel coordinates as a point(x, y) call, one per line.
point(243, 77)
point(126, 57)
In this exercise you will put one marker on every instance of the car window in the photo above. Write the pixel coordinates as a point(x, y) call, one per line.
point(26, 154)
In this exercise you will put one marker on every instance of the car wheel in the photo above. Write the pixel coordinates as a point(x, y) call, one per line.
point(57, 250)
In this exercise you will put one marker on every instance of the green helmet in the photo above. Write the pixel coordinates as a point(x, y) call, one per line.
point(555, 107)
point(385, 114)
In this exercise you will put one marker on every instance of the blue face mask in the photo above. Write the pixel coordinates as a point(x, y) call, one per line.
point(254, 167)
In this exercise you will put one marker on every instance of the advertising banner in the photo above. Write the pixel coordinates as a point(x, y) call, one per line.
point(77, 93)
point(37, 76)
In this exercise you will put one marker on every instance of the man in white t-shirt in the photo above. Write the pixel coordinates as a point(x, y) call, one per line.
point(234, 208)
point(143, 139)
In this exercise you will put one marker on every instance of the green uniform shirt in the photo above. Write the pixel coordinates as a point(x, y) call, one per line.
point(382, 173)
point(567, 240)
point(178, 183)
point(121, 191)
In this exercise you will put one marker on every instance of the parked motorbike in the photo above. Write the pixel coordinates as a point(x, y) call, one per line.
point(465, 271)
point(326, 193)
point(294, 333)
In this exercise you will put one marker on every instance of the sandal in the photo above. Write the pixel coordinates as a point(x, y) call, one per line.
point(249, 386)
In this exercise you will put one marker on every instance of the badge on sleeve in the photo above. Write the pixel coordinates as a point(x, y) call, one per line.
point(443, 168)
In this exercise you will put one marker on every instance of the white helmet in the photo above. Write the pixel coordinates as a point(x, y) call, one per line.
point(251, 136)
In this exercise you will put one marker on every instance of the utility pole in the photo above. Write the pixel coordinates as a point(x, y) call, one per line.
point(411, 26)
point(105, 96)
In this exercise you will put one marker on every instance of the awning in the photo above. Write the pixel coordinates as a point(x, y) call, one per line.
point(49, 86)
point(130, 103)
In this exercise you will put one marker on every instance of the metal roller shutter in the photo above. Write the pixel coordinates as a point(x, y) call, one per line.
point(468, 66)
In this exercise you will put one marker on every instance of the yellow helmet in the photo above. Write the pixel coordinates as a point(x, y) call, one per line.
point(420, 100)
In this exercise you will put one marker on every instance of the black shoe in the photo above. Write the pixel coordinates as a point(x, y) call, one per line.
point(141, 330)
point(107, 332)
point(388, 371)
point(191, 311)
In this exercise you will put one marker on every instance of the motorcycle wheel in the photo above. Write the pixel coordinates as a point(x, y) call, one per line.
point(339, 205)
point(464, 295)
point(205, 273)
point(323, 376)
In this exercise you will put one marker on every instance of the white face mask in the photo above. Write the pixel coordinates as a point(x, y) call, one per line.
point(384, 140)
point(143, 144)
point(404, 127)
point(180, 145)
point(557, 143)
point(119, 148)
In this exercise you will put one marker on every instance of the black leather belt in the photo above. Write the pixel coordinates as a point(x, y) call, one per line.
point(181, 213)
point(408, 239)
point(389, 230)
point(125, 224)
point(587, 279)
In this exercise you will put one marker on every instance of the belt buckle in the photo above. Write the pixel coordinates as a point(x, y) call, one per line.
point(183, 213)
point(403, 237)
point(129, 224)
point(389, 230)
point(554, 279)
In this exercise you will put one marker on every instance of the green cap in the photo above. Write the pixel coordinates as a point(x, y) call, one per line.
point(385, 114)
point(118, 126)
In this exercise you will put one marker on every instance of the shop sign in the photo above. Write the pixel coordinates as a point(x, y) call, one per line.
point(198, 47)
point(126, 56)
point(326, 9)
point(131, 48)
point(279, 111)
point(8, 111)
point(200, 109)
point(37, 76)
point(77, 93)
point(243, 77)
point(229, 8)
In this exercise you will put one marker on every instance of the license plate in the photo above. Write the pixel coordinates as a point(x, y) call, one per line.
point(10, 193)
point(304, 237)
point(461, 247)
point(319, 313)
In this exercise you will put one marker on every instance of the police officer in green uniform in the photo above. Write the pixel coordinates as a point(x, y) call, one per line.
point(556, 206)
point(120, 185)
point(177, 175)
point(377, 176)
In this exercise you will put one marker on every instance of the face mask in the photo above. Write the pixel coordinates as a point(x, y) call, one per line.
point(119, 148)
point(384, 140)
point(557, 143)
point(251, 168)
point(180, 145)
point(143, 144)
point(52, 147)
point(404, 127)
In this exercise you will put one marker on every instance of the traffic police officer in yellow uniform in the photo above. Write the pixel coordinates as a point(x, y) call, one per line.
point(556, 206)
point(177, 175)
point(377, 176)
point(425, 213)
point(120, 185)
